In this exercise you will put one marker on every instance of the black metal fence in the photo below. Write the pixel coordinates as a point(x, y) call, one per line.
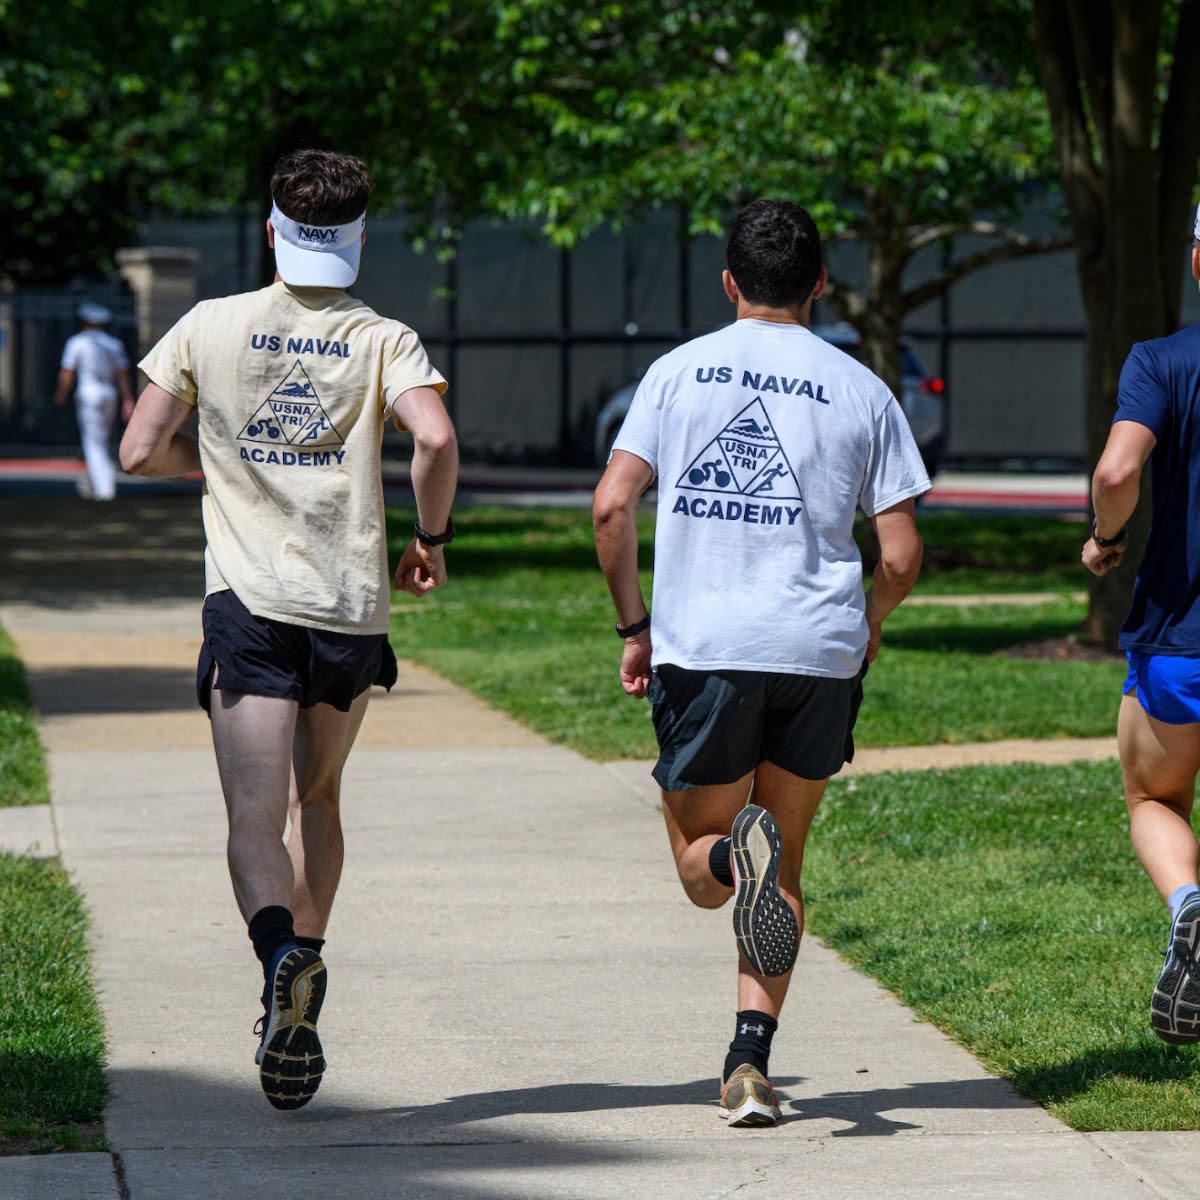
point(34, 328)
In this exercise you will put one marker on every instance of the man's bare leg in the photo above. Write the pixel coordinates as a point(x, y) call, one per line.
point(252, 737)
point(793, 803)
point(1160, 763)
point(696, 820)
point(699, 817)
point(324, 737)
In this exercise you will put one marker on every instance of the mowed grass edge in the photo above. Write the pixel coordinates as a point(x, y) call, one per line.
point(52, 1084)
point(527, 625)
point(23, 777)
point(1006, 906)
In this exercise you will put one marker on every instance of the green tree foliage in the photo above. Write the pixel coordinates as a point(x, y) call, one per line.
point(186, 105)
point(70, 125)
point(900, 154)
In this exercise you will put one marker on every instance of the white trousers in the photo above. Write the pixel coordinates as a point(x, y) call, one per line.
point(96, 415)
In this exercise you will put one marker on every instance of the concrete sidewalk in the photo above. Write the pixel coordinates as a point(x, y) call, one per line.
point(521, 1004)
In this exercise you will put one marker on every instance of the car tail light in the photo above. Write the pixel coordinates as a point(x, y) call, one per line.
point(935, 385)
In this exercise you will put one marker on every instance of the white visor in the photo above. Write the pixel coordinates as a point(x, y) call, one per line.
point(1196, 226)
point(317, 255)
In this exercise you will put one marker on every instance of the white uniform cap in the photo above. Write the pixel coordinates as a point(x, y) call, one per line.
point(317, 255)
point(94, 314)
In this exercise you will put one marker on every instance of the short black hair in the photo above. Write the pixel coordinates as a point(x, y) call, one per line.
point(774, 253)
point(321, 187)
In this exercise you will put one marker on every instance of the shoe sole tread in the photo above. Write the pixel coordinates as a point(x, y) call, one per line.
point(291, 1061)
point(763, 921)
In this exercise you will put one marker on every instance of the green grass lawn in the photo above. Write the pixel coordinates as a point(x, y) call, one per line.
point(1005, 905)
point(22, 767)
point(52, 1086)
point(525, 585)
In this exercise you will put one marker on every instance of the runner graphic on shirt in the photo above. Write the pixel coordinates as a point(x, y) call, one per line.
point(291, 416)
point(744, 459)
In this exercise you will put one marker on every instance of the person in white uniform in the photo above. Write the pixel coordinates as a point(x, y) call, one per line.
point(293, 385)
point(764, 441)
point(95, 365)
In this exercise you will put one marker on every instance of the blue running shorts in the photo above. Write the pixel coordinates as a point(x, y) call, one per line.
point(1167, 686)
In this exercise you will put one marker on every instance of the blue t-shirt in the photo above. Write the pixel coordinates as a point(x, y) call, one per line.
point(1160, 389)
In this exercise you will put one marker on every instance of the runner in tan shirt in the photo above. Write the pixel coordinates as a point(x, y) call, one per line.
point(292, 385)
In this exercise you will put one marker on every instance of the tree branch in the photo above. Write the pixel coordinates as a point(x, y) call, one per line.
point(848, 303)
point(930, 235)
point(1020, 247)
point(1082, 183)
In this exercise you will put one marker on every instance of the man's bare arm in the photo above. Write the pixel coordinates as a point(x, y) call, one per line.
point(1116, 484)
point(434, 481)
point(152, 444)
point(896, 572)
point(614, 520)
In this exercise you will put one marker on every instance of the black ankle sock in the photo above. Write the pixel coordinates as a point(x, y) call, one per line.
point(269, 929)
point(751, 1042)
point(718, 862)
point(310, 943)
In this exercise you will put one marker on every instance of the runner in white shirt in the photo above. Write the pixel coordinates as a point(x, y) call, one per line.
point(764, 441)
point(95, 364)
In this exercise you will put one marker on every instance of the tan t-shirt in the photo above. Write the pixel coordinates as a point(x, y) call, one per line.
point(292, 386)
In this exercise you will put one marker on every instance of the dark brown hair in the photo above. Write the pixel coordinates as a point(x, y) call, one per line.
point(774, 253)
point(320, 187)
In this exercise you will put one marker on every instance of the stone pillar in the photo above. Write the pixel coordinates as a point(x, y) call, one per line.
point(163, 280)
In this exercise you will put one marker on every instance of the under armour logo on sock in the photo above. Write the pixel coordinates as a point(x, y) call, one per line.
point(748, 1028)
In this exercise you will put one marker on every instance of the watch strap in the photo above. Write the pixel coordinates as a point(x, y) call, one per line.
point(434, 539)
point(1106, 543)
point(628, 631)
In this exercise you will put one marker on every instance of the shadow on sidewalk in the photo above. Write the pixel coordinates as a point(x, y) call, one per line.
point(211, 1103)
point(86, 690)
point(71, 553)
point(863, 1111)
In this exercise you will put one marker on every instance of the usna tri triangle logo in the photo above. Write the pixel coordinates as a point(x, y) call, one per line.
point(744, 459)
point(291, 416)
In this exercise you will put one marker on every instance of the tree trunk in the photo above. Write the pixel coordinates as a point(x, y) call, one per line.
point(1128, 163)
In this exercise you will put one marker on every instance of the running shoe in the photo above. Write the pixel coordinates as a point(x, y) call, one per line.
point(289, 1058)
point(763, 921)
point(748, 1099)
point(1175, 1004)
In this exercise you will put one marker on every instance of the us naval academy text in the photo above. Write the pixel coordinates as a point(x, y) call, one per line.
point(735, 510)
point(274, 343)
point(764, 383)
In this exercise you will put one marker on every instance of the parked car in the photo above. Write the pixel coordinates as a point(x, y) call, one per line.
point(922, 397)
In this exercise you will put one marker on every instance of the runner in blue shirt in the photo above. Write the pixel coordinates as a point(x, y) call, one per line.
point(1158, 729)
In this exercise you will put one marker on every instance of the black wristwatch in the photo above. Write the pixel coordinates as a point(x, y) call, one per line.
point(628, 631)
point(1107, 543)
point(434, 539)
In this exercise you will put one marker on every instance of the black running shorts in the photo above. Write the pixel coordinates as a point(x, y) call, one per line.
point(262, 657)
point(714, 727)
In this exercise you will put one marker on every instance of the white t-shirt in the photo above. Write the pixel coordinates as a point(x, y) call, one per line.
point(765, 440)
point(293, 386)
point(94, 356)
